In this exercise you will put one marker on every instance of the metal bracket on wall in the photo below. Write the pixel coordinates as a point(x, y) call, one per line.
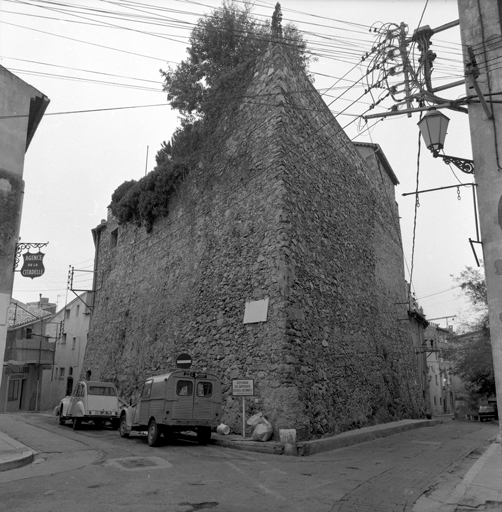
point(71, 274)
point(22, 247)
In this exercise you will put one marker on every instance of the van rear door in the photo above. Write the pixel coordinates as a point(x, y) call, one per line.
point(203, 399)
point(194, 398)
point(183, 398)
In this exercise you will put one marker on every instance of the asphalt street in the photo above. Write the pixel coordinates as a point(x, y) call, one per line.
point(95, 469)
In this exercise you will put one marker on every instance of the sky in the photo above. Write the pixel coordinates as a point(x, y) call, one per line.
point(99, 62)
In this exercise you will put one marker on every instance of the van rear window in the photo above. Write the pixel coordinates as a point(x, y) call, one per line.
point(204, 389)
point(184, 388)
point(102, 390)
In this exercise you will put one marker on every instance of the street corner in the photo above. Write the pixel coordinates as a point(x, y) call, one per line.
point(16, 458)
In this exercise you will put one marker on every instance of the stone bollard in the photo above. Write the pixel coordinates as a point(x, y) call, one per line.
point(287, 436)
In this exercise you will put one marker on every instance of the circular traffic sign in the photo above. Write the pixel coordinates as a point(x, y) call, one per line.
point(183, 361)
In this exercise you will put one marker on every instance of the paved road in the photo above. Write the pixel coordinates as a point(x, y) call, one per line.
point(96, 470)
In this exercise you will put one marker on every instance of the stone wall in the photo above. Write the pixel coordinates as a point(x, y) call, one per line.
point(282, 207)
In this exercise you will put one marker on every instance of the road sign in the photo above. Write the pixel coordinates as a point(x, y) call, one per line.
point(243, 387)
point(183, 361)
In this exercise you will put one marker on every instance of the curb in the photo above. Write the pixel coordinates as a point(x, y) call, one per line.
point(306, 448)
point(360, 436)
point(13, 459)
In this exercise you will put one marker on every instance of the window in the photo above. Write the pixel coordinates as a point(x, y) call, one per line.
point(204, 389)
point(436, 380)
point(102, 390)
point(67, 314)
point(61, 372)
point(78, 310)
point(69, 385)
point(147, 390)
point(63, 338)
point(184, 388)
point(80, 390)
point(73, 343)
point(70, 370)
point(114, 237)
point(434, 400)
point(13, 393)
point(29, 332)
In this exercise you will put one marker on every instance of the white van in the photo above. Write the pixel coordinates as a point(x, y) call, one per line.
point(177, 401)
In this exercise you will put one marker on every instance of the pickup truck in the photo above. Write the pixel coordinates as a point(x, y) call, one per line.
point(91, 401)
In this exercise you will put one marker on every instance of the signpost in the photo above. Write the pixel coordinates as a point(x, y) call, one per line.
point(244, 388)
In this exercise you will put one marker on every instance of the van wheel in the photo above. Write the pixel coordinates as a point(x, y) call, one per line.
point(203, 435)
point(76, 423)
point(123, 431)
point(153, 433)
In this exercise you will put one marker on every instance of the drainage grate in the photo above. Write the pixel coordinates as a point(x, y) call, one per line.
point(139, 463)
point(136, 463)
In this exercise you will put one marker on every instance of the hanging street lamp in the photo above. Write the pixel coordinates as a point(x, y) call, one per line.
point(433, 128)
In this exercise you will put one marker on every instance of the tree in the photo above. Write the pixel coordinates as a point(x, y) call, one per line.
point(277, 22)
point(471, 353)
point(223, 45)
point(220, 44)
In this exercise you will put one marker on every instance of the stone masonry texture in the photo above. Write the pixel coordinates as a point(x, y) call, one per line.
point(282, 206)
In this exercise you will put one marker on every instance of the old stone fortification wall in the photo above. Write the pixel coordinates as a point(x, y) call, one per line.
point(351, 355)
point(282, 207)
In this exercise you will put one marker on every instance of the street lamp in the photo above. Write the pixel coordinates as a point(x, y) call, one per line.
point(433, 128)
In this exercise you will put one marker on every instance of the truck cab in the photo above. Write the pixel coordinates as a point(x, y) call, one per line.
point(181, 400)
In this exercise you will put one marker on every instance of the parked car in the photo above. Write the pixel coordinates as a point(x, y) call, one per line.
point(91, 401)
point(487, 412)
point(178, 401)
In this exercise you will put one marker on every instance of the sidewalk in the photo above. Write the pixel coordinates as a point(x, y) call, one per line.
point(13, 454)
point(480, 489)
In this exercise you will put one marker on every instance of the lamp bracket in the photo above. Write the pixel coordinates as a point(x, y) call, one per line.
point(466, 166)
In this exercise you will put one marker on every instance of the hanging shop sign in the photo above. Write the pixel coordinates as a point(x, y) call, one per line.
point(33, 262)
point(33, 265)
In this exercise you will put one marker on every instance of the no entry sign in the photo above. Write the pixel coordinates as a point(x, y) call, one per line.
point(183, 361)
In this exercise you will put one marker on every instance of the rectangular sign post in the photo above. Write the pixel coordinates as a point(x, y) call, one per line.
point(243, 387)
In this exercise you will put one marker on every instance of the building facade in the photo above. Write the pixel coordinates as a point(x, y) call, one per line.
point(69, 329)
point(441, 387)
point(280, 261)
point(21, 109)
point(29, 352)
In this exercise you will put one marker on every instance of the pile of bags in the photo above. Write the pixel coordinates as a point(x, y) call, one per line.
point(263, 429)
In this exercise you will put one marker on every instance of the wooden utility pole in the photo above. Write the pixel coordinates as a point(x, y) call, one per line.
point(481, 32)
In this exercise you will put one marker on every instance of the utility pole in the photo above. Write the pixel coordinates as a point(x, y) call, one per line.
point(480, 26)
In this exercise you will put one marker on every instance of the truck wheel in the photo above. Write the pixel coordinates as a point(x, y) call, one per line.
point(123, 431)
point(203, 435)
point(62, 419)
point(76, 423)
point(153, 433)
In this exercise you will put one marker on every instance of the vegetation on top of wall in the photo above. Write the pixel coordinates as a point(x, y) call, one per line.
point(222, 46)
